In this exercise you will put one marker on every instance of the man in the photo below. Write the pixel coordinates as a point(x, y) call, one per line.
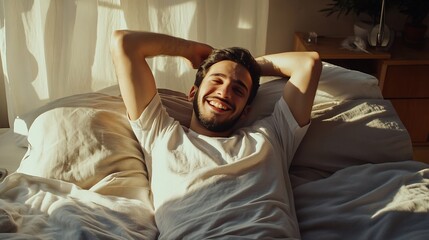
point(212, 180)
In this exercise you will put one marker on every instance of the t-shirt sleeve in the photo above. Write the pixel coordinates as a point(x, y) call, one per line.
point(152, 123)
point(287, 129)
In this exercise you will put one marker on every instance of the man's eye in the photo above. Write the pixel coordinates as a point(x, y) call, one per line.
point(239, 92)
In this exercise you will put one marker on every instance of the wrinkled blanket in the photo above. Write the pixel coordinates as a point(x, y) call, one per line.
point(34, 207)
point(371, 201)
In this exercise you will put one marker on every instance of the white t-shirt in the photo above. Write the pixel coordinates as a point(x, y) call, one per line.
point(215, 187)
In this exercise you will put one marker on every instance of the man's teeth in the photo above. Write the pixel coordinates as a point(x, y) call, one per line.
point(218, 105)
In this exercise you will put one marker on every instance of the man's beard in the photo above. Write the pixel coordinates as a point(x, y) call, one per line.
point(212, 124)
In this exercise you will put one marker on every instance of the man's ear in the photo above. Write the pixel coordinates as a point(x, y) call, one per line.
point(192, 93)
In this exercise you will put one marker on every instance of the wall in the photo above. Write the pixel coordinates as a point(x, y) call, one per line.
point(3, 108)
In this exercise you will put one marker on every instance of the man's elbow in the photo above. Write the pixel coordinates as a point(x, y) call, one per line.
point(314, 64)
point(314, 60)
point(315, 56)
point(118, 43)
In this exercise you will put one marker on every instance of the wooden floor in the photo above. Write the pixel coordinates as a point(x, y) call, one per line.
point(421, 153)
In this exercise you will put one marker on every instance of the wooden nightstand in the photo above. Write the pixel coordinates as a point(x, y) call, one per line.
point(404, 80)
point(403, 74)
point(330, 50)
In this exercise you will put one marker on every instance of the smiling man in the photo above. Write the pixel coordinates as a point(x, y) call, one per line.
point(213, 180)
point(231, 82)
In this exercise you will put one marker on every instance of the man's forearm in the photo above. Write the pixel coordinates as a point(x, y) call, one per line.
point(304, 70)
point(283, 64)
point(148, 44)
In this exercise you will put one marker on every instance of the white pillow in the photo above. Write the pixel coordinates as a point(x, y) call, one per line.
point(338, 83)
point(23, 123)
point(353, 132)
point(93, 148)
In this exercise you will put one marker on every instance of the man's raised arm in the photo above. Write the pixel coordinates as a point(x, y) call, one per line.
point(304, 69)
point(129, 52)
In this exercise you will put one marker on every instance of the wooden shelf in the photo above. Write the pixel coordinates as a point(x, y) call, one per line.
point(330, 48)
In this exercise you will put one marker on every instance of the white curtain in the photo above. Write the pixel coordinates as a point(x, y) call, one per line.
point(55, 48)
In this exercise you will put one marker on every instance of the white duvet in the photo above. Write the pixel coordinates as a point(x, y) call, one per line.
point(371, 201)
point(34, 207)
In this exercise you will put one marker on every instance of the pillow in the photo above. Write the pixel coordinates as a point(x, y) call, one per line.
point(92, 147)
point(22, 123)
point(338, 83)
point(353, 132)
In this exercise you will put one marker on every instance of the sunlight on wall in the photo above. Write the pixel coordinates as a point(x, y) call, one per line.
point(29, 19)
point(102, 69)
point(244, 24)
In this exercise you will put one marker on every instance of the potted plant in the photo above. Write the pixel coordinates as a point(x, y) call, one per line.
point(367, 11)
point(416, 11)
point(370, 8)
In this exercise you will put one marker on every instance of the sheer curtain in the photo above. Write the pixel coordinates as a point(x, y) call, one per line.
point(51, 49)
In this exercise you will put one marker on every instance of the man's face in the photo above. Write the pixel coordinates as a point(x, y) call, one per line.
point(222, 96)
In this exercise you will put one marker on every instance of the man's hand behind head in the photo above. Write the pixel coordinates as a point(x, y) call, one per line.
point(198, 53)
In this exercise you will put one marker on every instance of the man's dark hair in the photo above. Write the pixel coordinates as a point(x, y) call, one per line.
point(238, 55)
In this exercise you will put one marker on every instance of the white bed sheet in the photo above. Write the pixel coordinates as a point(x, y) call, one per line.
point(10, 153)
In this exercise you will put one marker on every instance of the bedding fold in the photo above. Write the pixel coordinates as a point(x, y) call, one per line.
point(34, 207)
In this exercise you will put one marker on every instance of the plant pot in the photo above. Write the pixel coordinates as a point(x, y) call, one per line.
point(414, 34)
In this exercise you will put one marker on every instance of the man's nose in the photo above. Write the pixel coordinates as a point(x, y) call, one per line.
point(224, 91)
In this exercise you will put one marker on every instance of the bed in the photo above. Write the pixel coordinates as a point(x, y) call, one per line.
point(76, 170)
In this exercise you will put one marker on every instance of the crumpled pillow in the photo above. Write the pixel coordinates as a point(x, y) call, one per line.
point(93, 148)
